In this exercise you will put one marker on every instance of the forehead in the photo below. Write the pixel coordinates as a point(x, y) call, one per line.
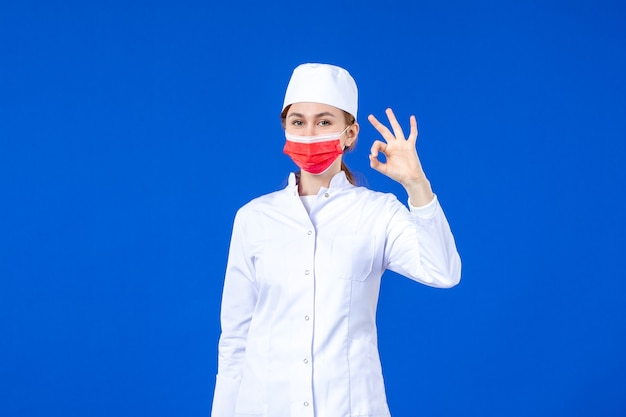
point(313, 109)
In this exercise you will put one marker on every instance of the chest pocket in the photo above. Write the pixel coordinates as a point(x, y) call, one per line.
point(353, 256)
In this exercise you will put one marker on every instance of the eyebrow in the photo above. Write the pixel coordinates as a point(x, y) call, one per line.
point(317, 116)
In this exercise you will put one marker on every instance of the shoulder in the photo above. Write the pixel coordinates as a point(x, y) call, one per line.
point(375, 197)
point(267, 201)
point(373, 203)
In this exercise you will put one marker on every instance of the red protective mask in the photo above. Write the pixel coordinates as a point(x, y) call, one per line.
point(314, 154)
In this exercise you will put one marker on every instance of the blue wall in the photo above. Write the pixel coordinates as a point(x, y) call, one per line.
point(130, 133)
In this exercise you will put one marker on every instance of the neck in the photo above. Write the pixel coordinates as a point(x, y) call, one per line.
point(310, 184)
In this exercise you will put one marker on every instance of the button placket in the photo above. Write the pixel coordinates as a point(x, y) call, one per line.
point(303, 376)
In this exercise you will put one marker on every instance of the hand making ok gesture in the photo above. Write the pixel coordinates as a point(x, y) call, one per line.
point(401, 161)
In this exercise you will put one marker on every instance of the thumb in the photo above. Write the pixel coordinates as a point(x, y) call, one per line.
point(377, 147)
point(377, 165)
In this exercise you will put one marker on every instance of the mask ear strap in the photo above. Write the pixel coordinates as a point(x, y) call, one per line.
point(347, 127)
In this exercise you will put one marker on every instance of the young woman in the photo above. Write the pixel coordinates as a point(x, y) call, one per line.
point(305, 263)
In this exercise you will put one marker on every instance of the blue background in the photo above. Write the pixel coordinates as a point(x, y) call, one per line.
point(130, 133)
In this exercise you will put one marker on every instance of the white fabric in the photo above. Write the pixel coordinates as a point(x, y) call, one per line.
point(323, 83)
point(425, 212)
point(317, 138)
point(308, 201)
point(300, 297)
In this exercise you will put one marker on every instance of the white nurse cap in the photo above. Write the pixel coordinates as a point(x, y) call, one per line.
point(322, 83)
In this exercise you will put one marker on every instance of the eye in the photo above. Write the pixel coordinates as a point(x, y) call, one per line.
point(324, 123)
point(297, 123)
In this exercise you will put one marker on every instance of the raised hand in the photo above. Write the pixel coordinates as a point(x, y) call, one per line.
point(402, 163)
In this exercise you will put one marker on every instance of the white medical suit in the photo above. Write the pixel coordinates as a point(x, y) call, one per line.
point(300, 296)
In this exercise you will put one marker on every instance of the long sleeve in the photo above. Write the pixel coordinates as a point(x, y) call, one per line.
point(420, 245)
point(238, 301)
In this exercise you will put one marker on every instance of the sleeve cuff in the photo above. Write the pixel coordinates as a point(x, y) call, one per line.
point(425, 212)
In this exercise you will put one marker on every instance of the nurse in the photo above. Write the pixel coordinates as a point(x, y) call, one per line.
point(305, 263)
